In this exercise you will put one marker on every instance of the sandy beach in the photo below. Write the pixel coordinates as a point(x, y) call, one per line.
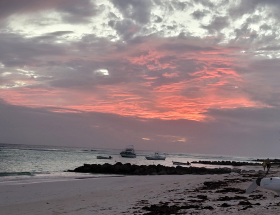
point(167, 194)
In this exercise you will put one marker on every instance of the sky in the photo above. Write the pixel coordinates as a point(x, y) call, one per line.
point(188, 76)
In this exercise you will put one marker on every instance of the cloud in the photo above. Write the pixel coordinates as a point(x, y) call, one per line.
point(217, 24)
point(20, 51)
point(205, 3)
point(249, 6)
point(75, 10)
point(126, 28)
point(195, 75)
point(138, 11)
point(199, 14)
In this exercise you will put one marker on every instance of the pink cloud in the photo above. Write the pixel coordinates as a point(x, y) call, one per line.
point(170, 75)
point(198, 78)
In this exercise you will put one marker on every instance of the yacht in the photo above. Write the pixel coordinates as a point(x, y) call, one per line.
point(156, 156)
point(128, 152)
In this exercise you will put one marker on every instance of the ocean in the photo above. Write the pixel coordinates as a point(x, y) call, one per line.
point(32, 164)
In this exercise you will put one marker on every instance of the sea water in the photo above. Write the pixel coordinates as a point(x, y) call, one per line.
point(26, 163)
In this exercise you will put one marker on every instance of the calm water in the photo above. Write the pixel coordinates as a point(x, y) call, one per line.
point(37, 163)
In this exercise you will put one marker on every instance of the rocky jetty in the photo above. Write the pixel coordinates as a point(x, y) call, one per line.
point(272, 161)
point(229, 163)
point(131, 169)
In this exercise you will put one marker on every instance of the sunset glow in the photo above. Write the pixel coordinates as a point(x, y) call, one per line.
point(203, 63)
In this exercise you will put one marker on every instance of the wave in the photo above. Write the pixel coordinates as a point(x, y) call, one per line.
point(3, 174)
point(33, 149)
point(41, 149)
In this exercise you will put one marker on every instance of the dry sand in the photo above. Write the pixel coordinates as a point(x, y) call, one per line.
point(168, 194)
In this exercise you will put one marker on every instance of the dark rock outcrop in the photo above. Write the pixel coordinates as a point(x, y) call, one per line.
point(128, 169)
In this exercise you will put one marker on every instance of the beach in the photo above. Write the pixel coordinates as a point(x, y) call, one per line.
point(150, 194)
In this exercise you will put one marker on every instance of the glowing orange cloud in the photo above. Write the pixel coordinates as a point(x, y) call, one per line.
point(161, 86)
point(171, 75)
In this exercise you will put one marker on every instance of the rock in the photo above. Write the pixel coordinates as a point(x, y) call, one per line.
point(245, 203)
point(180, 170)
point(125, 169)
point(213, 185)
point(236, 170)
point(129, 169)
point(226, 170)
point(152, 171)
point(162, 172)
point(171, 170)
point(225, 205)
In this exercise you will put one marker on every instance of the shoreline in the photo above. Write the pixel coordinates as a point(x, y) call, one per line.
point(71, 175)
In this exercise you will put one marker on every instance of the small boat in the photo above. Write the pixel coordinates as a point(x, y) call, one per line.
point(180, 163)
point(272, 183)
point(128, 152)
point(103, 157)
point(156, 156)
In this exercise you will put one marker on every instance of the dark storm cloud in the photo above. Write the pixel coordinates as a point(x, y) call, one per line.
point(138, 11)
point(74, 10)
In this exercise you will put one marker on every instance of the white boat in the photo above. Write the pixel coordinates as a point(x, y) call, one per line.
point(103, 157)
point(272, 183)
point(156, 156)
point(128, 152)
point(180, 163)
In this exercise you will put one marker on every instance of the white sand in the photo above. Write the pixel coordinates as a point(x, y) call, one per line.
point(122, 195)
